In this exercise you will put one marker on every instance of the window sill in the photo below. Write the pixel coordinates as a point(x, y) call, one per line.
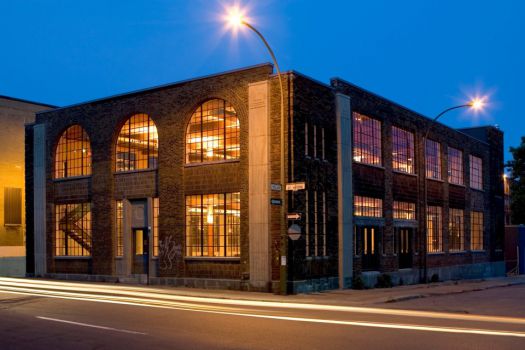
point(72, 178)
point(134, 171)
point(436, 253)
point(369, 165)
point(227, 161)
point(477, 189)
point(433, 179)
point(211, 258)
point(71, 257)
point(457, 251)
point(404, 173)
point(478, 251)
point(458, 185)
point(12, 225)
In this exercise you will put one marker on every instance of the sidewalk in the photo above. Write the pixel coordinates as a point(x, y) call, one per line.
point(352, 297)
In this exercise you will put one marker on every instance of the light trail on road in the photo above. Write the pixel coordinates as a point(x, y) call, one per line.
point(136, 297)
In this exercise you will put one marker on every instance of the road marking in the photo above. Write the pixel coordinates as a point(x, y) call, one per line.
point(137, 292)
point(89, 325)
point(166, 305)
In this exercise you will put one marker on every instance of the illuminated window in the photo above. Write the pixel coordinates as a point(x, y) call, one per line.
point(433, 159)
point(213, 225)
point(476, 230)
point(455, 166)
point(367, 139)
point(213, 133)
point(73, 229)
point(119, 223)
point(307, 222)
point(402, 150)
point(456, 232)
point(434, 230)
point(137, 144)
point(476, 172)
point(155, 227)
point(73, 153)
point(404, 210)
point(366, 206)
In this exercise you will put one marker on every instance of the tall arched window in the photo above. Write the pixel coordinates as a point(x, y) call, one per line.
point(213, 133)
point(73, 153)
point(137, 144)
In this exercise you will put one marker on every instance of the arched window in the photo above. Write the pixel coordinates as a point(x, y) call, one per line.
point(137, 144)
point(213, 133)
point(73, 153)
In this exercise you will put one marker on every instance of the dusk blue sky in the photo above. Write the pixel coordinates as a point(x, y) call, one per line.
point(426, 55)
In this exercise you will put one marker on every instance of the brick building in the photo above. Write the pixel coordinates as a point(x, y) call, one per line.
point(177, 182)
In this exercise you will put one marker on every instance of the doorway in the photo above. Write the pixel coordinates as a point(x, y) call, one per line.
point(369, 236)
point(404, 247)
point(140, 243)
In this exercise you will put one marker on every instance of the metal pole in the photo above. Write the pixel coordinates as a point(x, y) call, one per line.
point(425, 189)
point(284, 237)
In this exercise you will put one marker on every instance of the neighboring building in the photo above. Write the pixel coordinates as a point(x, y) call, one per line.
point(506, 192)
point(195, 166)
point(14, 114)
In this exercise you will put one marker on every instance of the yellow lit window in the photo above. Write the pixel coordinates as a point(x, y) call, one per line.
point(456, 231)
point(366, 206)
point(73, 229)
point(137, 144)
point(404, 210)
point(367, 139)
point(476, 230)
point(402, 150)
point(73, 153)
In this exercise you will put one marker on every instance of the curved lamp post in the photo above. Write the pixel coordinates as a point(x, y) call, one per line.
point(236, 20)
point(475, 104)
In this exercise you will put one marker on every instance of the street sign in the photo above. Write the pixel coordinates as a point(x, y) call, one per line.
point(276, 201)
point(294, 232)
point(293, 216)
point(276, 187)
point(295, 186)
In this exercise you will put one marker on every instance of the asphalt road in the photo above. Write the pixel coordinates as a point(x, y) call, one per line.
point(58, 315)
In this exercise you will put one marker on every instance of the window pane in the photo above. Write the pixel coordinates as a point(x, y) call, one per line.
point(73, 229)
point(434, 230)
point(73, 153)
point(433, 159)
point(367, 139)
point(366, 206)
point(404, 210)
point(476, 230)
point(213, 133)
point(456, 233)
point(402, 150)
point(119, 224)
point(455, 166)
point(137, 144)
point(476, 172)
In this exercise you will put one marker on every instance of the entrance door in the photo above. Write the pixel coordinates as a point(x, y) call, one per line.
point(369, 240)
point(140, 251)
point(404, 251)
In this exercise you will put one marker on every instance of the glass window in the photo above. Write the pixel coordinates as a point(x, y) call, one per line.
point(434, 230)
point(119, 217)
point(213, 225)
point(456, 231)
point(402, 150)
point(433, 159)
point(455, 166)
point(73, 229)
point(404, 210)
point(73, 153)
point(476, 172)
point(476, 230)
point(366, 206)
point(306, 134)
point(213, 133)
point(367, 139)
point(137, 144)
point(155, 227)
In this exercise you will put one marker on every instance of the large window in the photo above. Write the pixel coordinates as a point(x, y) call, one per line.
point(434, 230)
point(456, 231)
point(137, 144)
point(455, 166)
point(476, 172)
point(404, 210)
point(402, 150)
point(367, 139)
point(433, 159)
point(476, 230)
point(213, 133)
point(73, 229)
point(213, 225)
point(366, 206)
point(73, 153)
point(155, 227)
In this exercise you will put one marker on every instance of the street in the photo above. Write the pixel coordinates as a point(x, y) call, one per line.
point(39, 314)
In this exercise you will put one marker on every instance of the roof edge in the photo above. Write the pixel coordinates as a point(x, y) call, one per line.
point(27, 101)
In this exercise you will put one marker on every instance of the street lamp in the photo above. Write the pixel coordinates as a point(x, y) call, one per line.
point(236, 19)
point(475, 104)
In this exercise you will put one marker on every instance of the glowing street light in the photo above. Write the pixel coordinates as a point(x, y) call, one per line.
point(477, 104)
point(235, 18)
